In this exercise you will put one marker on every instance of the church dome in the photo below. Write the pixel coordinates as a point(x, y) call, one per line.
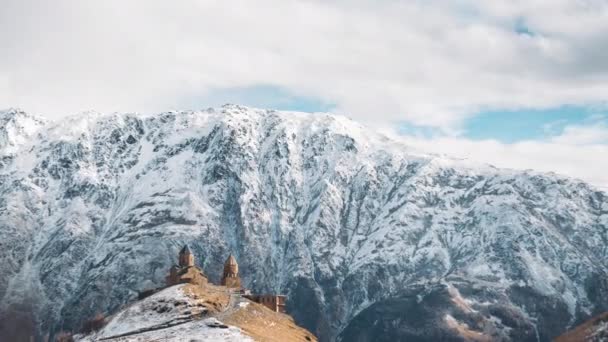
point(185, 250)
point(231, 266)
point(186, 258)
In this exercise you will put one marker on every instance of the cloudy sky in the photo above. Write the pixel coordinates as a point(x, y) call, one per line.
point(517, 83)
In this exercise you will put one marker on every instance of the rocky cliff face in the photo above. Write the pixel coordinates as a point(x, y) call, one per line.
point(343, 220)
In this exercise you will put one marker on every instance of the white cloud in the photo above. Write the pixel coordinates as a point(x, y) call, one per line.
point(428, 63)
point(584, 135)
point(431, 63)
point(580, 152)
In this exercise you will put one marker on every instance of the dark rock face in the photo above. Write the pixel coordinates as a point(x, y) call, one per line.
point(345, 222)
point(454, 311)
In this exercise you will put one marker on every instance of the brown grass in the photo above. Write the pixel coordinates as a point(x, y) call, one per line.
point(464, 331)
point(583, 331)
point(265, 325)
point(255, 320)
point(94, 324)
point(458, 300)
point(64, 336)
point(214, 298)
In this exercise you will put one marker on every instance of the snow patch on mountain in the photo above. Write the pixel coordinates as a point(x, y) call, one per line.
point(164, 316)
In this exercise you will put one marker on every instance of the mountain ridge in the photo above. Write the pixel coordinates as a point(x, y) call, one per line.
point(317, 206)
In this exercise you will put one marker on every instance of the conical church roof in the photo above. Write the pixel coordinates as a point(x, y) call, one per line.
point(230, 266)
point(230, 261)
point(185, 249)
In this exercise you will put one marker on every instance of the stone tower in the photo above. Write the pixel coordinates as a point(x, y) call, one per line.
point(185, 272)
point(186, 258)
point(230, 278)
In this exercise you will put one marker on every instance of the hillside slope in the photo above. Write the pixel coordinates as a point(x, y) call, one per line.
point(593, 330)
point(338, 217)
point(197, 313)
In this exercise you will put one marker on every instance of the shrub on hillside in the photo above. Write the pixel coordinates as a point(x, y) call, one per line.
point(64, 336)
point(94, 324)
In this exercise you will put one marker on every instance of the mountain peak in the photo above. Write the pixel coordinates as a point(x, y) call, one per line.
point(16, 115)
point(16, 127)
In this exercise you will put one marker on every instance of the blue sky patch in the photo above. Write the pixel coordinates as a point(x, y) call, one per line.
point(509, 126)
point(522, 29)
point(528, 124)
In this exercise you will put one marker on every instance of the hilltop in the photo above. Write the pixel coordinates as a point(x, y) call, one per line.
point(198, 313)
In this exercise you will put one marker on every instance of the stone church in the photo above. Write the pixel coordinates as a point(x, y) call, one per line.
point(186, 272)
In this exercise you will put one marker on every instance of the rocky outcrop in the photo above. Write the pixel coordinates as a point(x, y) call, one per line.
point(456, 310)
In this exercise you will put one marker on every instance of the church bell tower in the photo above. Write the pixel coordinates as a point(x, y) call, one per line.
point(231, 278)
point(186, 258)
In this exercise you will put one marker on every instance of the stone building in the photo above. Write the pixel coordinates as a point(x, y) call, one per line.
point(275, 303)
point(231, 278)
point(186, 258)
point(185, 271)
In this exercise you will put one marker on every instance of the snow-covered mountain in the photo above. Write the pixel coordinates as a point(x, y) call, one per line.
point(361, 233)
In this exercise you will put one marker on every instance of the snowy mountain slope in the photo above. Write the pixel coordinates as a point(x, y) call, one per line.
point(16, 127)
point(94, 208)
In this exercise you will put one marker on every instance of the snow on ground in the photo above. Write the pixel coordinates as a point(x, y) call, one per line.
point(143, 314)
point(600, 330)
point(164, 316)
point(209, 329)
